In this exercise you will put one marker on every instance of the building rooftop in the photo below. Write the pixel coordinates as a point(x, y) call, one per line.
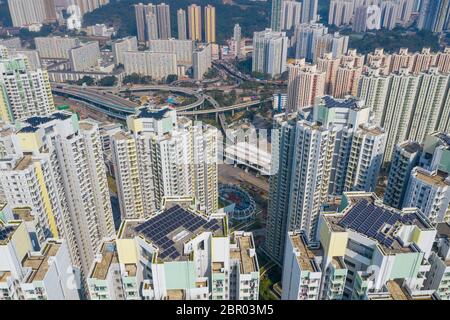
point(5, 132)
point(4, 275)
point(330, 102)
point(32, 124)
point(444, 138)
point(131, 269)
point(370, 217)
point(40, 264)
point(169, 231)
point(108, 256)
point(411, 146)
point(443, 229)
point(23, 214)
point(305, 257)
point(146, 112)
point(248, 262)
point(372, 130)
point(24, 162)
point(396, 290)
point(85, 125)
point(175, 294)
point(437, 178)
point(6, 232)
point(338, 263)
point(121, 135)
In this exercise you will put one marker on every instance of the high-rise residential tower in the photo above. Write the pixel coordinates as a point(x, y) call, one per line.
point(181, 23)
point(311, 159)
point(24, 92)
point(237, 38)
point(164, 157)
point(269, 52)
point(275, 15)
point(141, 11)
point(210, 24)
point(406, 156)
point(195, 22)
point(429, 182)
point(305, 84)
point(309, 11)
point(163, 14)
point(291, 15)
point(60, 175)
point(28, 12)
point(406, 105)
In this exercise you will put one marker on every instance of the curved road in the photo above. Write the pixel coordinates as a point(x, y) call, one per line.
point(118, 107)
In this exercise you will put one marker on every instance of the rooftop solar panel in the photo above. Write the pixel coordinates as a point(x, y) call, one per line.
point(158, 228)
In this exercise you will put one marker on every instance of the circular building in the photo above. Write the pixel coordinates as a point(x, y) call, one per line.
point(238, 203)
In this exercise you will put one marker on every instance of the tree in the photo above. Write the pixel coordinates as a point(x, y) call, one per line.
point(89, 81)
point(146, 80)
point(133, 78)
point(108, 81)
point(171, 78)
point(233, 94)
point(211, 73)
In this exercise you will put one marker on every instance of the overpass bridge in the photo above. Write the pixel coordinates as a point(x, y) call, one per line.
point(119, 108)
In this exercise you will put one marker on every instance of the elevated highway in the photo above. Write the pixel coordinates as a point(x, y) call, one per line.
point(119, 108)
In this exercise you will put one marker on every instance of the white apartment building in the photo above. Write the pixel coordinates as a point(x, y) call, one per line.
point(85, 57)
point(194, 258)
point(308, 275)
point(157, 65)
point(385, 250)
point(305, 38)
point(301, 272)
point(165, 157)
point(311, 158)
point(407, 106)
point(24, 92)
point(183, 49)
point(89, 5)
point(202, 61)
point(341, 12)
point(366, 159)
point(29, 275)
point(58, 172)
point(29, 12)
point(32, 57)
point(438, 278)
point(269, 52)
point(406, 157)
point(181, 24)
point(291, 14)
point(430, 192)
point(55, 47)
point(430, 104)
point(106, 279)
point(122, 45)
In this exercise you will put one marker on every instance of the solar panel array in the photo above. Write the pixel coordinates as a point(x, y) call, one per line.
point(158, 228)
point(5, 232)
point(36, 121)
point(367, 218)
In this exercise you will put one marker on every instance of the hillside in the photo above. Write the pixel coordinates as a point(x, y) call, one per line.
point(252, 16)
